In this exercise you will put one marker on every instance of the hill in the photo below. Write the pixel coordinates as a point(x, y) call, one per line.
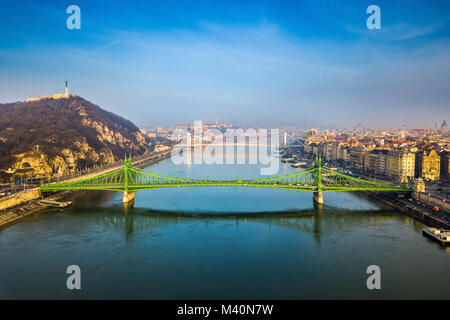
point(57, 136)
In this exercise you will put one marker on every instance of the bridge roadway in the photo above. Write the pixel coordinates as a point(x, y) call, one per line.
point(138, 162)
point(130, 179)
point(12, 195)
point(256, 145)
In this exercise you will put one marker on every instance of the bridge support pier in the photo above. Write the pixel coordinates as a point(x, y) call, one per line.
point(318, 197)
point(128, 196)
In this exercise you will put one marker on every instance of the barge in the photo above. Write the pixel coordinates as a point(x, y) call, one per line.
point(441, 236)
point(298, 164)
point(54, 203)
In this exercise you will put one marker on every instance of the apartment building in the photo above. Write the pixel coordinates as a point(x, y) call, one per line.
point(375, 161)
point(428, 165)
point(400, 165)
point(357, 157)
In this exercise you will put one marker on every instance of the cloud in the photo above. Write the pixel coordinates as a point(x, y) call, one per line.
point(262, 30)
point(398, 32)
point(101, 48)
point(253, 71)
point(406, 32)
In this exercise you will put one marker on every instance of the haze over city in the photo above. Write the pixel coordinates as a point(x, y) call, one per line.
point(304, 63)
point(224, 155)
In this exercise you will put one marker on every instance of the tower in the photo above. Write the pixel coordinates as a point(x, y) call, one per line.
point(67, 89)
point(444, 128)
point(318, 195)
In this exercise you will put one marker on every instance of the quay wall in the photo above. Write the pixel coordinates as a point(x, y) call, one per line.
point(412, 210)
point(20, 198)
point(432, 201)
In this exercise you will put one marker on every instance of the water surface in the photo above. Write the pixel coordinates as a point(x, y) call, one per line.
point(221, 242)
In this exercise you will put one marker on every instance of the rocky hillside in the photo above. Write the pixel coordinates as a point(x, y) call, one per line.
point(56, 136)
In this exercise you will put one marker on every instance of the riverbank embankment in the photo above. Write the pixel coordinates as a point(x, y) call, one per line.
point(415, 209)
point(27, 202)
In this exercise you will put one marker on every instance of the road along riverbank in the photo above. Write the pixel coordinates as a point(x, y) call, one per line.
point(416, 205)
point(415, 209)
point(27, 202)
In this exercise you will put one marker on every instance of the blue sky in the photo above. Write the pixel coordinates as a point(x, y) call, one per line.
point(258, 63)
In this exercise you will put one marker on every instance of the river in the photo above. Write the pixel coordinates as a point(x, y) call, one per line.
point(220, 243)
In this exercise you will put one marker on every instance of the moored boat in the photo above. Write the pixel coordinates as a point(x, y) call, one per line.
point(298, 164)
point(441, 236)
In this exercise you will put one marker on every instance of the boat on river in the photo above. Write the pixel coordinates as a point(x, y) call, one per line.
point(441, 236)
point(299, 164)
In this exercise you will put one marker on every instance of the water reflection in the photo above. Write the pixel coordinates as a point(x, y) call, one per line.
point(320, 221)
point(218, 243)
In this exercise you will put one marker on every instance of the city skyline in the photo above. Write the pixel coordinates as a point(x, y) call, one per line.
point(310, 64)
point(244, 153)
point(436, 127)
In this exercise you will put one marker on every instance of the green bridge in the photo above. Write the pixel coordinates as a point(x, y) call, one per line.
point(316, 179)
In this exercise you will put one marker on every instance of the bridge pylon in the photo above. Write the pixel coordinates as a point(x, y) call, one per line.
point(318, 195)
point(128, 196)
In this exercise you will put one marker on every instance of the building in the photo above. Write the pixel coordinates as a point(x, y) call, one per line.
point(445, 166)
point(444, 128)
point(64, 95)
point(327, 151)
point(370, 161)
point(375, 162)
point(400, 165)
point(357, 157)
point(183, 127)
point(314, 139)
point(381, 168)
point(334, 151)
point(310, 133)
point(343, 153)
point(428, 166)
point(317, 148)
point(307, 148)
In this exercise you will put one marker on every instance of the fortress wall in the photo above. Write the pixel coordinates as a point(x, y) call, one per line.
point(55, 96)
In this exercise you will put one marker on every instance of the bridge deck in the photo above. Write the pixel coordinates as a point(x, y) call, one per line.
point(316, 179)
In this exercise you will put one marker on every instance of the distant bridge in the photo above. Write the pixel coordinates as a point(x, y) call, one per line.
point(316, 179)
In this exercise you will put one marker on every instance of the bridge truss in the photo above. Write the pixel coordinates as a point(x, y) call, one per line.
point(316, 179)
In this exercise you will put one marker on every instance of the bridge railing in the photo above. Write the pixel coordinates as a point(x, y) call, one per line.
point(139, 160)
point(316, 179)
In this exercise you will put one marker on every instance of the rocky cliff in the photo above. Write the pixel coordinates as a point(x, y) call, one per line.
point(57, 136)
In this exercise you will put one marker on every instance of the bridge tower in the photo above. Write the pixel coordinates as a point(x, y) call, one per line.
point(318, 195)
point(127, 195)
